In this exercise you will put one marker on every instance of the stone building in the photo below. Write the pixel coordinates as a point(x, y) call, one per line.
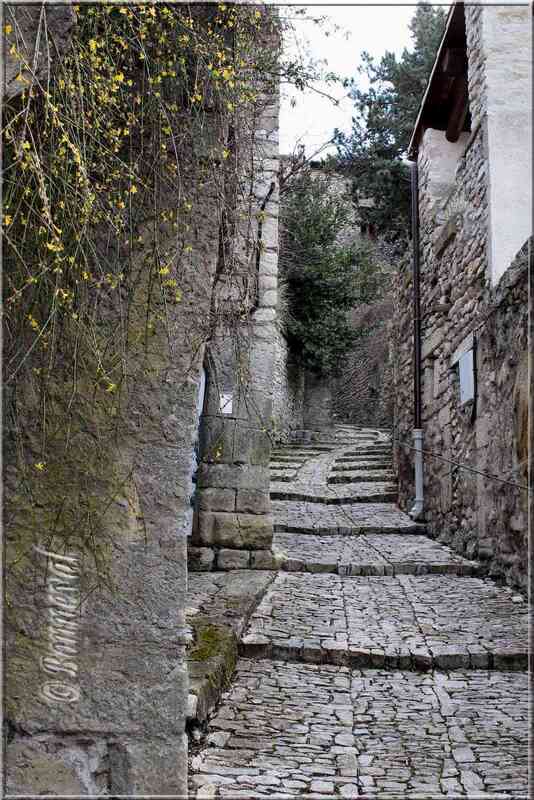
point(472, 150)
point(111, 719)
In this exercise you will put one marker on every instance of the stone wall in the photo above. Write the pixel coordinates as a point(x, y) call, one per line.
point(363, 394)
point(233, 526)
point(124, 732)
point(288, 392)
point(318, 399)
point(481, 515)
point(39, 34)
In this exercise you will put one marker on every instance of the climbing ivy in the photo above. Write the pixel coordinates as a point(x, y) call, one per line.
point(96, 257)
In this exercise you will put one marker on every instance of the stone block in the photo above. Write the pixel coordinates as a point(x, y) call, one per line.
point(263, 559)
point(256, 531)
point(200, 559)
point(252, 446)
point(31, 769)
point(253, 501)
point(268, 265)
point(154, 765)
point(267, 282)
point(233, 559)
point(59, 21)
point(236, 476)
point(269, 299)
point(217, 499)
point(269, 231)
point(216, 437)
point(241, 531)
point(431, 343)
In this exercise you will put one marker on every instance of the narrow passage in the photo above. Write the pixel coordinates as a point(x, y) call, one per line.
point(379, 662)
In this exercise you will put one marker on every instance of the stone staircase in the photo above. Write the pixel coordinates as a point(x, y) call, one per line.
point(378, 662)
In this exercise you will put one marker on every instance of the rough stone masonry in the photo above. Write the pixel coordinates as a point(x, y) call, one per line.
point(474, 300)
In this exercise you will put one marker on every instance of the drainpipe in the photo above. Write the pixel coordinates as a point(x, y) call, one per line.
point(416, 512)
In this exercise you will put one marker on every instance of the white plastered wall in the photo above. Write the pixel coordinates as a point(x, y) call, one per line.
point(507, 47)
point(442, 157)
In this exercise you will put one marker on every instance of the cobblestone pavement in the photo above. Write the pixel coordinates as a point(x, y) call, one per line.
point(371, 554)
point(379, 663)
point(408, 621)
point(298, 730)
point(306, 517)
point(365, 492)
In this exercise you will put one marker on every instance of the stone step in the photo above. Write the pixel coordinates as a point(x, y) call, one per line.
point(362, 475)
point(281, 477)
point(299, 730)
point(219, 606)
point(369, 451)
point(361, 466)
point(309, 518)
point(373, 495)
point(295, 454)
point(403, 622)
point(308, 449)
point(373, 554)
point(370, 459)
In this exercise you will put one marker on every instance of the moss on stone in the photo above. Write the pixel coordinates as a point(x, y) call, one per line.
point(210, 641)
point(212, 660)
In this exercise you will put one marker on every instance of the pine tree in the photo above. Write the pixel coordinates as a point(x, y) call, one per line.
point(373, 153)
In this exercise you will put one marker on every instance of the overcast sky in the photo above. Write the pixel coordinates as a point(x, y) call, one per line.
point(365, 27)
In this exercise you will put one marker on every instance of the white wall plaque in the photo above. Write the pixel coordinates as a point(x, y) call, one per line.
point(225, 403)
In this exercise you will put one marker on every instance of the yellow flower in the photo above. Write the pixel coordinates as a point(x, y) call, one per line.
point(164, 271)
point(92, 45)
point(7, 29)
point(119, 77)
point(8, 219)
point(111, 388)
point(133, 189)
point(26, 145)
point(225, 153)
point(41, 466)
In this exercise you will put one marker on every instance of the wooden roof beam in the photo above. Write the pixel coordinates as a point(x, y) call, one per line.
point(459, 110)
point(454, 62)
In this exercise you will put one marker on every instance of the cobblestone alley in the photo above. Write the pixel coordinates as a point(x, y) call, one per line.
point(375, 661)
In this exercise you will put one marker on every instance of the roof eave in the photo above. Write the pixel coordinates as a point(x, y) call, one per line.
point(414, 141)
